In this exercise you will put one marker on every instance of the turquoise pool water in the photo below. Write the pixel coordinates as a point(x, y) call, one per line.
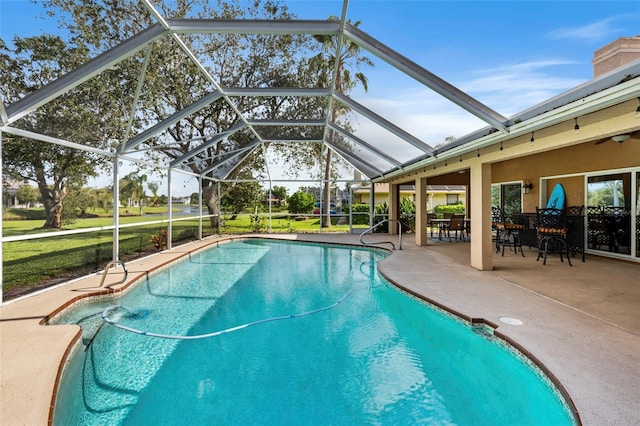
point(374, 356)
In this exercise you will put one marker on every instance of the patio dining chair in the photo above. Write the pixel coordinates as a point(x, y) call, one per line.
point(552, 233)
point(507, 233)
point(430, 224)
point(456, 224)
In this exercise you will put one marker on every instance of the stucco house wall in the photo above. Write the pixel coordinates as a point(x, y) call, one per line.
point(577, 159)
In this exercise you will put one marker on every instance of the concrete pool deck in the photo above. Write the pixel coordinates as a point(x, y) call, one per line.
point(581, 322)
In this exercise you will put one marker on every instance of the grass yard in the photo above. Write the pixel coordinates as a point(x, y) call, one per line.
point(32, 264)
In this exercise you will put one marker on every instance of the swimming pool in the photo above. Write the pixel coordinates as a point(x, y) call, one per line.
point(302, 333)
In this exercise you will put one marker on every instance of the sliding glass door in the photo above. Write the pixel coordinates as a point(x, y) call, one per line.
point(609, 213)
point(637, 215)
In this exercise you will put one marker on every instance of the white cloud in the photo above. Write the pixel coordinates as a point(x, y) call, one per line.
point(593, 32)
point(510, 89)
point(507, 89)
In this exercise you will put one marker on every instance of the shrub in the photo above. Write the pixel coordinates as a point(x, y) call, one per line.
point(301, 203)
point(257, 223)
point(360, 213)
point(380, 213)
point(408, 214)
point(160, 240)
point(450, 208)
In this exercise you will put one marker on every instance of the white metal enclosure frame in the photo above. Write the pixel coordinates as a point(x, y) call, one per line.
point(369, 156)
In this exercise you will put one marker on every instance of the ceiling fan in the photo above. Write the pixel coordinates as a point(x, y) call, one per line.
point(621, 137)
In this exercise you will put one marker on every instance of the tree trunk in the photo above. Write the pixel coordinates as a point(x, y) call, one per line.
point(211, 197)
point(53, 204)
point(326, 203)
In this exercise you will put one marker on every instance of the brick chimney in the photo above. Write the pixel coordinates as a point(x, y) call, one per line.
point(614, 55)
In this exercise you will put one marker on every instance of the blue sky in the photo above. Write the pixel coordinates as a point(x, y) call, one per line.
point(510, 55)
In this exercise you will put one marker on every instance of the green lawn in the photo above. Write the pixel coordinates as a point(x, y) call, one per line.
point(27, 264)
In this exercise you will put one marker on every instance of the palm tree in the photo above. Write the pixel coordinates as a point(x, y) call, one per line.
point(153, 187)
point(343, 61)
point(133, 186)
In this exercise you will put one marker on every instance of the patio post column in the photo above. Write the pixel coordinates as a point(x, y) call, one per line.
point(394, 207)
point(480, 208)
point(421, 211)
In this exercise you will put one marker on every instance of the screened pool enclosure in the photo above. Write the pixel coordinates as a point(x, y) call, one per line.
point(197, 120)
point(206, 96)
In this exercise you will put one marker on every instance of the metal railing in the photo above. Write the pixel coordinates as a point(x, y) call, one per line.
point(106, 270)
point(383, 242)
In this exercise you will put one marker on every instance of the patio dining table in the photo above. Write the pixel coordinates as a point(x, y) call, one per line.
point(440, 225)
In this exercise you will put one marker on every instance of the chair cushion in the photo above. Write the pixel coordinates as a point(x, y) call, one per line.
point(513, 226)
point(553, 231)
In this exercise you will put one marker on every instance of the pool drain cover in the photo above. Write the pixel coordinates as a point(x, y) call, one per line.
point(511, 321)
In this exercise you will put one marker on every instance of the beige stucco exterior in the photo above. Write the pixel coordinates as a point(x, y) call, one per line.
point(557, 155)
point(431, 199)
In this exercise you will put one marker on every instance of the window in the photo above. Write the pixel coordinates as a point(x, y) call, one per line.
point(453, 198)
point(507, 196)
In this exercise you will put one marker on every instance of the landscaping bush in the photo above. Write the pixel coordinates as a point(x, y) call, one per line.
point(160, 240)
point(301, 203)
point(380, 213)
point(360, 213)
point(449, 208)
point(257, 223)
point(408, 214)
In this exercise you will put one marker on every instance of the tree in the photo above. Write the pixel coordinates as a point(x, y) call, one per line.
point(80, 116)
point(242, 195)
point(132, 188)
point(342, 61)
point(153, 187)
point(77, 201)
point(279, 193)
point(27, 194)
point(173, 82)
point(104, 198)
point(300, 203)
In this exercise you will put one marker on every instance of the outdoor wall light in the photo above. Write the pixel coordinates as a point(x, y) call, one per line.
point(637, 115)
point(532, 140)
point(576, 128)
point(526, 186)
